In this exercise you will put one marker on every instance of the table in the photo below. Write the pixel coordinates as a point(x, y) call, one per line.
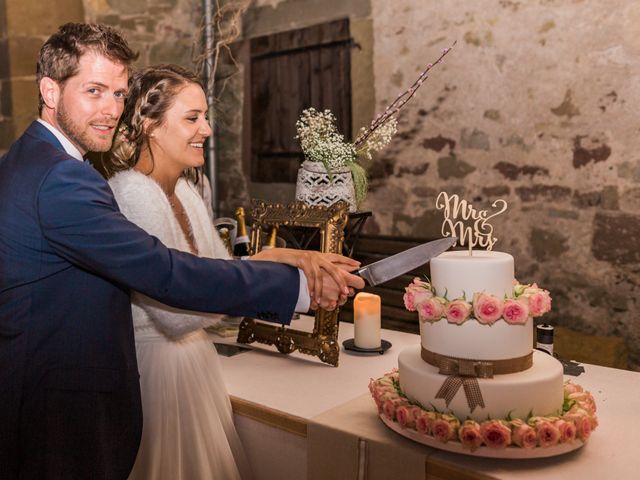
point(279, 400)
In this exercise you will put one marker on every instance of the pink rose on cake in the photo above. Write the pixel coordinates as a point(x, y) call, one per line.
point(406, 415)
point(432, 309)
point(570, 388)
point(567, 430)
point(516, 312)
point(523, 435)
point(495, 434)
point(584, 400)
point(539, 300)
point(445, 428)
point(390, 406)
point(469, 435)
point(548, 433)
point(487, 308)
point(425, 421)
point(415, 293)
point(457, 311)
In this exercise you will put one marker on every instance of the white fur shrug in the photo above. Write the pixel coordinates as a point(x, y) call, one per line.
point(144, 203)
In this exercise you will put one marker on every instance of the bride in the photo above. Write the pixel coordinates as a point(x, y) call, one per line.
point(188, 430)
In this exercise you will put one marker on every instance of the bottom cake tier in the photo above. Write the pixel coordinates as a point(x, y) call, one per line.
point(536, 391)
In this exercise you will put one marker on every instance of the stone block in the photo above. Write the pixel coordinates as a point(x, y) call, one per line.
point(41, 19)
point(6, 104)
point(513, 172)
point(452, 167)
point(170, 52)
point(615, 238)
point(496, 191)
point(4, 58)
point(23, 55)
point(7, 134)
point(547, 244)
point(475, 140)
point(24, 97)
point(543, 192)
point(595, 349)
point(128, 7)
point(630, 200)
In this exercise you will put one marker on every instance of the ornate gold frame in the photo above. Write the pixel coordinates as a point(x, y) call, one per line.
point(330, 221)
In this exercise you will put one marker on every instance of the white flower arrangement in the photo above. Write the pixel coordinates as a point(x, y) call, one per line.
point(321, 141)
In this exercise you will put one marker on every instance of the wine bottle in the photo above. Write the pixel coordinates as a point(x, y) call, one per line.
point(544, 338)
point(241, 245)
point(271, 241)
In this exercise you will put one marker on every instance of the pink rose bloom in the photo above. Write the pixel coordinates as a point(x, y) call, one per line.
point(458, 311)
point(487, 308)
point(516, 312)
point(431, 310)
point(585, 401)
point(539, 302)
point(570, 388)
point(416, 293)
point(495, 434)
point(406, 415)
point(424, 422)
point(444, 429)
point(567, 431)
point(548, 433)
point(523, 435)
point(469, 435)
point(381, 396)
point(390, 406)
point(583, 426)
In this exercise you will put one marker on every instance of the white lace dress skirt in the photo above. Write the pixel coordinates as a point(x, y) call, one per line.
point(188, 431)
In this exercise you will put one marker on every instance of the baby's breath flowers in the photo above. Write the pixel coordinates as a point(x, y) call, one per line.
point(321, 141)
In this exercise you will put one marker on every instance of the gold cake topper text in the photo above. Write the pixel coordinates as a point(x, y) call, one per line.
point(471, 226)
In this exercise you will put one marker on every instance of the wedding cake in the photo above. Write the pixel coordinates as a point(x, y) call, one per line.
point(508, 376)
point(475, 379)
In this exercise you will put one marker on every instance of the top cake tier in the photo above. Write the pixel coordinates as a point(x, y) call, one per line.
point(455, 274)
point(458, 273)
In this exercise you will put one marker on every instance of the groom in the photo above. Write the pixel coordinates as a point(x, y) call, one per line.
point(69, 394)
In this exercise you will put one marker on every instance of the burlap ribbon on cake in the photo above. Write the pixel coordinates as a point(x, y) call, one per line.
point(464, 372)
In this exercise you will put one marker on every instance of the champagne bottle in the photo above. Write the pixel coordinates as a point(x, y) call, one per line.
point(271, 241)
point(225, 236)
point(241, 245)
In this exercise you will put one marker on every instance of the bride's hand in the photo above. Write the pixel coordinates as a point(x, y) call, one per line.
point(313, 264)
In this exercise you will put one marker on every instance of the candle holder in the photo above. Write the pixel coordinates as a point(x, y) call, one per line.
point(350, 347)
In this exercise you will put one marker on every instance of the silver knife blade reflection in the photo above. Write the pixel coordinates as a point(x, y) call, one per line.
point(403, 262)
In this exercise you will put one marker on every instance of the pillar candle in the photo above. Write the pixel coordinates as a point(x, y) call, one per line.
point(366, 320)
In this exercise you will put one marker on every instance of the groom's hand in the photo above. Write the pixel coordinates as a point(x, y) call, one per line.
point(335, 294)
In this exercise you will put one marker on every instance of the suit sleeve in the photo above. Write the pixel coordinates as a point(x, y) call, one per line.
point(82, 223)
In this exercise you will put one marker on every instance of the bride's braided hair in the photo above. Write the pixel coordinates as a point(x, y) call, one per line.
point(151, 94)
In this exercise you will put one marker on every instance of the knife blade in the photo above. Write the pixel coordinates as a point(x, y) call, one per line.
point(403, 262)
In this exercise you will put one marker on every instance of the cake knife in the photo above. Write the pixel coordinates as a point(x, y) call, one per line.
point(403, 262)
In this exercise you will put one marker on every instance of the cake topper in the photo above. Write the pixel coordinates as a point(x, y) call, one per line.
point(471, 226)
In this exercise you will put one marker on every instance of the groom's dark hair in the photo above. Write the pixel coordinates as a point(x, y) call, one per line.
point(59, 56)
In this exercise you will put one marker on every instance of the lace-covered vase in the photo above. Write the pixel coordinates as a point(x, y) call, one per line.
point(315, 188)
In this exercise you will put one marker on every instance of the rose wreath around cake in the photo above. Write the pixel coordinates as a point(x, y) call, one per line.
point(475, 385)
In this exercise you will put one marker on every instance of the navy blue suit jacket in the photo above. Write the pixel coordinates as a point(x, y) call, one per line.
point(69, 394)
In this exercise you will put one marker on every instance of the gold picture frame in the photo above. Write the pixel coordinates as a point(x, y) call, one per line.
point(329, 222)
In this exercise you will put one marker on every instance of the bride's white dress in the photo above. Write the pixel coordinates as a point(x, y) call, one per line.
point(188, 431)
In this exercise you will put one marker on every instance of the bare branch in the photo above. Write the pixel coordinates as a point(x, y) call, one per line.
point(400, 101)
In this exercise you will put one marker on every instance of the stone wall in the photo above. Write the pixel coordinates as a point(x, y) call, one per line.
point(163, 31)
point(24, 26)
point(533, 105)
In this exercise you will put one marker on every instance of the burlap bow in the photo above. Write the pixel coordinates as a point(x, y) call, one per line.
point(463, 373)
